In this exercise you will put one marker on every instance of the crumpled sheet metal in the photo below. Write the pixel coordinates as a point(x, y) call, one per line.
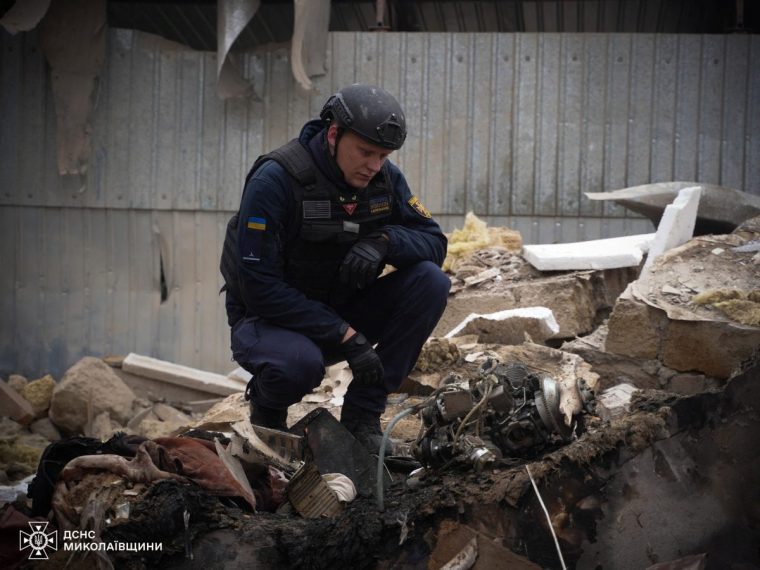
point(73, 39)
point(232, 16)
point(719, 204)
point(24, 15)
point(308, 47)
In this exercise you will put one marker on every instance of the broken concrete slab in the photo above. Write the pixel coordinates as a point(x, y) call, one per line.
point(720, 210)
point(643, 373)
point(13, 405)
point(578, 300)
point(87, 389)
point(509, 326)
point(46, 429)
point(610, 253)
point(647, 323)
point(677, 224)
point(179, 375)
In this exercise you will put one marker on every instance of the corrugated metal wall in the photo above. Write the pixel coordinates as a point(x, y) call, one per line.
point(513, 126)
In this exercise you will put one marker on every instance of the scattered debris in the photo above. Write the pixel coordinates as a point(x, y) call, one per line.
point(682, 335)
point(606, 439)
point(476, 235)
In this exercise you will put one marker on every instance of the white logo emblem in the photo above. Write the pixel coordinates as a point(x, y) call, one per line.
point(38, 540)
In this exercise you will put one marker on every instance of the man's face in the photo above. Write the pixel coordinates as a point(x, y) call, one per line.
point(358, 159)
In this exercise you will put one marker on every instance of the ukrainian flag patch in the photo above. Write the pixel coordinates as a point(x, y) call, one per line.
point(259, 224)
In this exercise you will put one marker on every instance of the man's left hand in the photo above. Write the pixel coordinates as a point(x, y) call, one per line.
point(362, 262)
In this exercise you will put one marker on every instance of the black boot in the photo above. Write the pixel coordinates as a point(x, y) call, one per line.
point(365, 427)
point(262, 416)
point(268, 417)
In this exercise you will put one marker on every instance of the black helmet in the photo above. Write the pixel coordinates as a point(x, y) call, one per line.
point(370, 112)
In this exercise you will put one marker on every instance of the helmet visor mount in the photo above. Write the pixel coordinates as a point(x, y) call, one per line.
point(391, 132)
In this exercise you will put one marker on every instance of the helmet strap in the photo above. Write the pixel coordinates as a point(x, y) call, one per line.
point(332, 157)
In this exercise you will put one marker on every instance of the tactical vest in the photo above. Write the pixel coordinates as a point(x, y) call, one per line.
point(330, 222)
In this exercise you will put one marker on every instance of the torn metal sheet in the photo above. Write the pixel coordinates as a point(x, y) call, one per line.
point(308, 48)
point(235, 468)
point(264, 446)
point(73, 39)
point(24, 15)
point(335, 450)
point(721, 209)
point(232, 18)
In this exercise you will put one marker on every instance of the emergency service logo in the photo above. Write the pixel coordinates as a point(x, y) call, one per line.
point(38, 541)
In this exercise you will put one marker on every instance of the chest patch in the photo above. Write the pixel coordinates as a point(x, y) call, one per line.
point(316, 209)
point(379, 205)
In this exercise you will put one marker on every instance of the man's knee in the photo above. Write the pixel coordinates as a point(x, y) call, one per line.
point(432, 282)
point(286, 381)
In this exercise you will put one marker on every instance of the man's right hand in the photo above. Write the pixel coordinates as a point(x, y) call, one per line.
point(361, 357)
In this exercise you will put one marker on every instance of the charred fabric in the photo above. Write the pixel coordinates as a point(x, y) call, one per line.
point(508, 411)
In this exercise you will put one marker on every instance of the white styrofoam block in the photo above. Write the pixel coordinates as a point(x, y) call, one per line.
point(610, 253)
point(543, 314)
point(677, 223)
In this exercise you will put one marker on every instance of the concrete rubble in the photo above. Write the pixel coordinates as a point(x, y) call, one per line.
point(601, 428)
point(656, 317)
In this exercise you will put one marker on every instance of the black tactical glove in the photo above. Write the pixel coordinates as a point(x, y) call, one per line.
point(363, 360)
point(362, 262)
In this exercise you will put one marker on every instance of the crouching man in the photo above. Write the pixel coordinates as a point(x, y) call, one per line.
point(318, 220)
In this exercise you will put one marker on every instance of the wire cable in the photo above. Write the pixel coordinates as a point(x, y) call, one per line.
point(548, 518)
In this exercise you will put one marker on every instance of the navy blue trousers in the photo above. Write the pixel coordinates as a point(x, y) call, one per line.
point(398, 312)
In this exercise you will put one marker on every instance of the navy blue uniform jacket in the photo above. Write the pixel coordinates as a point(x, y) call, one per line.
point(268, 198)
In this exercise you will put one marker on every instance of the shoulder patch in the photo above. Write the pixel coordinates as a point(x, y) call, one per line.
point(251, 246)
point(415, 203)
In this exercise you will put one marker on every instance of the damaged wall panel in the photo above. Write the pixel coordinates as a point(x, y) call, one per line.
point(516, 126)
point(623, 110)
point(87, 282)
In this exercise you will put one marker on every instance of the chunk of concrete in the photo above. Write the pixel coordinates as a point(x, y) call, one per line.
point(611, 253)
point(577, 300)
point(13, 405)
point(46, 429)
point(180, 375)
point(509, 326)
point(647, 323)
point(677, 224)
point(87, 389)
point(17, 382)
